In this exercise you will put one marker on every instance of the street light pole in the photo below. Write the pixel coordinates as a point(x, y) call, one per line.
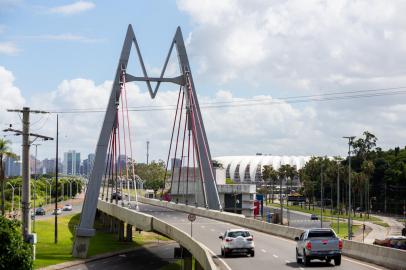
point(321, 195)
point(35, 185)
point(147, 151)
point(350, 140)
point(338, 196)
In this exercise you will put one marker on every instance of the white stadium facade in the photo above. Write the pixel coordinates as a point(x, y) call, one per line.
point(248, 169)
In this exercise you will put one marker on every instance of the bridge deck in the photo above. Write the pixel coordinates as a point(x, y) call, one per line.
point(271, 252)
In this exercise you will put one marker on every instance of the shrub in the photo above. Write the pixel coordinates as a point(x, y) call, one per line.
point(14, 252)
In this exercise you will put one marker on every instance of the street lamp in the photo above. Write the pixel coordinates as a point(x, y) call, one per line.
point(49, 182)
point(12, 198)
point(70, 188)
point(35, 183)
point(350, 140)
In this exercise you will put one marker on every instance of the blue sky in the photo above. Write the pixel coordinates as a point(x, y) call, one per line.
point(45, 57)
point(61, 55)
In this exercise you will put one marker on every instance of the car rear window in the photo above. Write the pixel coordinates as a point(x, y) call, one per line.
point(314, 234)
point(238, 233)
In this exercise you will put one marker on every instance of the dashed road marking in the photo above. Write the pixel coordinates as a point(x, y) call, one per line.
point(212, 230)
point(263, 250)
point(276, 256)
point(287, 261)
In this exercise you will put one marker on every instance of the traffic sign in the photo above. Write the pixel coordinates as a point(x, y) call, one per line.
point(191, 217)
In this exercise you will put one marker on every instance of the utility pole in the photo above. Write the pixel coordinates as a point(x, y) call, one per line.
point(56, 180)
point(350, 140)
point(26, 219)
point(147, 151)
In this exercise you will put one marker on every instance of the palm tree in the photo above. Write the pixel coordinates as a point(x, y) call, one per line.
point(269, 173)
point(5, 151)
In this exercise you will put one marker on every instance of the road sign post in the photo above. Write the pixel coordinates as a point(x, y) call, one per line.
point(191, 218)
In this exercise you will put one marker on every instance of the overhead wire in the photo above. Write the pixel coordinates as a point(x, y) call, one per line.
point(261, 101)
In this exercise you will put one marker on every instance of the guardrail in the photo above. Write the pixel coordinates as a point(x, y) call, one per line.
point(387, 257)
point(149, 223)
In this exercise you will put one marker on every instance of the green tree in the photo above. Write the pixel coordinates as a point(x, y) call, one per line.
point(286, 172)
point(5, 151)
point(14, 252)
point(153, 174)
point(270, 175)
point(364, 146)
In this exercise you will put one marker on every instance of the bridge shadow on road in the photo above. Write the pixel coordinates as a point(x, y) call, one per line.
point(151, 258)
point(315, 264)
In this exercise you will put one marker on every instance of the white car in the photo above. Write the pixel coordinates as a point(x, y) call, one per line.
point(58, 211)
point(237, 241)
point(67, 207)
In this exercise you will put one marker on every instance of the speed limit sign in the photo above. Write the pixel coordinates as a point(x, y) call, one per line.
point(191, 217)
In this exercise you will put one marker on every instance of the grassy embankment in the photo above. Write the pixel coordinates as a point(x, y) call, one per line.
point(49, 253)
point(326, 212)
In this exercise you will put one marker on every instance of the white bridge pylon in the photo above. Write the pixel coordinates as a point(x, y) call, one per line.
point(85, 229)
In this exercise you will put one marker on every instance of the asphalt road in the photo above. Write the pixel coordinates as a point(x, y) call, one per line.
point(271, 252)
point(151, 258)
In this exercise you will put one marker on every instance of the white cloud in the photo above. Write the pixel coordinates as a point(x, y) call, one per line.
point(10, 98)
point(8, 48)
point(64, 37)
point(284, 42)
point(75, 8)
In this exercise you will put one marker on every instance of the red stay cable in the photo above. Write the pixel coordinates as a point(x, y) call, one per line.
point(170, 144)
point(177, 137)
point(181, 157)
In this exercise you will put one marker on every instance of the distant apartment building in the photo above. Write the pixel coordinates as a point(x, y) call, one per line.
point(35, 165)
point(90, 162)
point(48, 166)
point(71, 163)
point(12, 167)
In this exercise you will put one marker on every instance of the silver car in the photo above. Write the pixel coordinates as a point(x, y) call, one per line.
point(322, 244)
point(237, 241)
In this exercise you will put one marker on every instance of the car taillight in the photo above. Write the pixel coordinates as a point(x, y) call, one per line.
point(308, 245)
point(340, 244)
point(250, 238)
point(229, 239)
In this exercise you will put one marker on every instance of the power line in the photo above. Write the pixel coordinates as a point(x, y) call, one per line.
point(254, 102)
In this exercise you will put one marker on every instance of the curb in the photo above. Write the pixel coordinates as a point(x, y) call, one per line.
point(102, 256)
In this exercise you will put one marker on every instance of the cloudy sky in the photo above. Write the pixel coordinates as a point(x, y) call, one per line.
point(295, 76)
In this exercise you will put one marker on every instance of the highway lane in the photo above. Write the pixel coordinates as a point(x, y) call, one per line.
point(271, 252)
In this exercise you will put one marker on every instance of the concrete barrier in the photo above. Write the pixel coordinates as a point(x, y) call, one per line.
point(149, 223)
point(384, 256)
point(387, 257)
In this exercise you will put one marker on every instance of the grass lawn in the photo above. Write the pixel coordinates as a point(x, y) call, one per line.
point(49, 253)
point(343, 232)
point(172, 266)
point(326, 212)
point(381, 223)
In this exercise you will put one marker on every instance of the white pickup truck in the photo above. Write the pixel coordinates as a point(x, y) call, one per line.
point(322, 244)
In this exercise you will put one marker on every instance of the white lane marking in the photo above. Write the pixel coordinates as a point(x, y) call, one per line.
point(301, 268)
point(276, 256)
point(363, 264)
point(263, 250)
point(212, 230)
point(287, 261)
point(202, 226)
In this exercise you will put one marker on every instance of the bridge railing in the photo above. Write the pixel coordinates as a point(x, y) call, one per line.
point(149, 223)
point(387, 257)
